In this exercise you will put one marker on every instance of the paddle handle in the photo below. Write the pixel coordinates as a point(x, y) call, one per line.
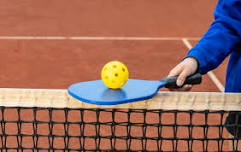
point(193, 79)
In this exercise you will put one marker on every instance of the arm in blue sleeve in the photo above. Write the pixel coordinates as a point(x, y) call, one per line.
point(222, 37)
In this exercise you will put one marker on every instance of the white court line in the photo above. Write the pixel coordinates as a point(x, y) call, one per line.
point(93, 38)
point(211, 75)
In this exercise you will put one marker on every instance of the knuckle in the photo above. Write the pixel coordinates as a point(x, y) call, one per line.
point(181, 77)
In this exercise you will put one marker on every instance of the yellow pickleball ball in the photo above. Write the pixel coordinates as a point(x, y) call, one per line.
point(114, 74)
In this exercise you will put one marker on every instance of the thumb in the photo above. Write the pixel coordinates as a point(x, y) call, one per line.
point(182, 77)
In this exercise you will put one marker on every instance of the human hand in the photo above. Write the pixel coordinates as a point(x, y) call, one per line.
point(184, 69)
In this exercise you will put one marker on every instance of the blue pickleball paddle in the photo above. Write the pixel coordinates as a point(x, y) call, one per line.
point(95, 92)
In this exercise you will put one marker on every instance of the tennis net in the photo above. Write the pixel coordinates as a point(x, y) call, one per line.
point(51, 120)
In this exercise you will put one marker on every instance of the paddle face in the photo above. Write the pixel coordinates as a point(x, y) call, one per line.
point(95, 92)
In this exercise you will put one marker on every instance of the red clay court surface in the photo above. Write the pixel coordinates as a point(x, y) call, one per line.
point(43, 63)
point(53, 44)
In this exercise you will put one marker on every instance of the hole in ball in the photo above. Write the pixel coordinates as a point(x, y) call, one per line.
point(116, 74)
point(114, 66)
point(123, 70)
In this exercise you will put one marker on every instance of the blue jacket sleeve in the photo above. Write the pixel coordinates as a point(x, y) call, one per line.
point(221, 38)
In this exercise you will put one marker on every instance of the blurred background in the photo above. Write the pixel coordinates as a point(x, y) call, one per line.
point(53, 44)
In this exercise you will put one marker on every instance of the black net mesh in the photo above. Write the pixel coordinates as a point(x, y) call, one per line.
point(64, 129)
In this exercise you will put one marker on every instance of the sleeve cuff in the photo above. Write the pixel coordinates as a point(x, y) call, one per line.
point(200, 58)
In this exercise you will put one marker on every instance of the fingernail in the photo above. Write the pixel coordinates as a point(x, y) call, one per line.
point(179, 82)
point(189, 85)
